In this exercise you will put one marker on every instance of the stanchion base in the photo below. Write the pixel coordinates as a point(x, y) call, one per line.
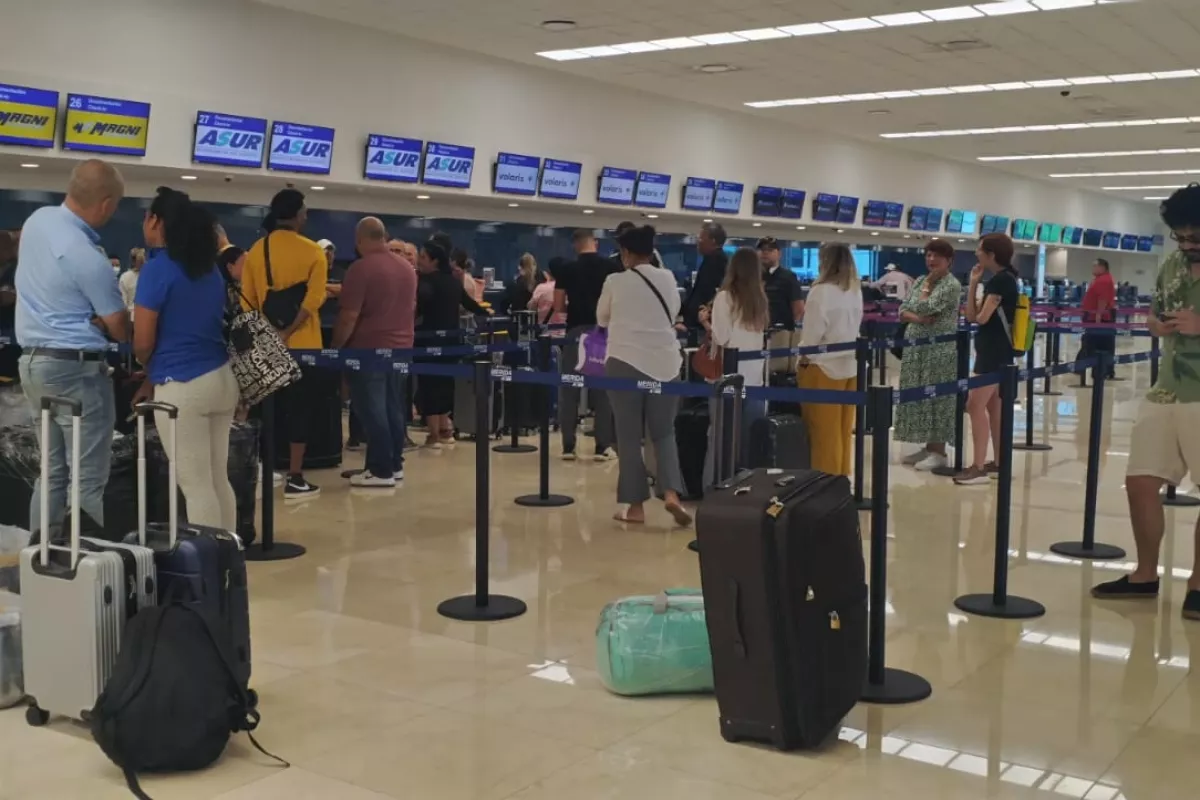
point(945, 472)
point(549, 501)
point(1033, 448)
point(1013, 607)
point(1048, 394)
point(694, 545)
point(514, 448)
point(498, 607)
point(1115, 378)
point(1097, 552)
point(1181, 500)
point(280, 551)
point(898, 688)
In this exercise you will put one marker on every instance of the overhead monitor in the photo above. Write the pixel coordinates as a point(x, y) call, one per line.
point(847, 210)
point(516, 174)
point(768, 201)
point(28, 117)
point(792, 206)
point(560, 179)
point(106, 125)
point(1129, 241)
point(825, 207)
point(1112, 240)
point(301, 148)
point(729, 197)
point(652, 190)
point(1092, 237)
point(874, 213)
point(390, 158)
point(698, 194)
point(448, 165)
point(228, 140)
point(616, 186)
point(1145, 244)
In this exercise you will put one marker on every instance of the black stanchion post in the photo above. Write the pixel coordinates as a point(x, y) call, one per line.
point(1029, 444)
point(1000, 603)
point(482, 606)
point(543, 499)
point(1052, 360)
point(870, 335)
point(512, 394)
point(266, 548)
point(883, 364)
point(885, 686)
point(861, 423)
point(1088, 548)
point(960, 405)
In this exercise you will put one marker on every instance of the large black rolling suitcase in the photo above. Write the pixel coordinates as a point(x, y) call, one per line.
point(785, 596)
point(780, 440)
point(691, 440)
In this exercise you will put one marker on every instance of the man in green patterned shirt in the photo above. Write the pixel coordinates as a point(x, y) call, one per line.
point(1166, 436)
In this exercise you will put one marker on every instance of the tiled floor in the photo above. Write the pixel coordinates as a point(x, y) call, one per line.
point(370, 694)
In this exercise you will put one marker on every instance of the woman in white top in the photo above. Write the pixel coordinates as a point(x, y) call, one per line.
point(638, 307)
point(128, 280)
point(832, 315)
point(738, 318)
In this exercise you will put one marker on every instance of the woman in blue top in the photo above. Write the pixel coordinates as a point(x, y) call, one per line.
point(180, 308)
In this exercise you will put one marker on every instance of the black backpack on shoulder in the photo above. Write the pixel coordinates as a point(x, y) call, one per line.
point(173, 699)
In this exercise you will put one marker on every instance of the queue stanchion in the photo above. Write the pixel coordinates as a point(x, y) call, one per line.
point(863, 356)
point(884, 685)
point(1000, 604)
point(1052, 360)
point(1154, 356)
point(724, 458)
point(1029, 444)
point(482, 606)
point(543, 499)
point(883, 354)
point(960, 405)
point(513, 392)
point(266, 548)
point(1089, 548)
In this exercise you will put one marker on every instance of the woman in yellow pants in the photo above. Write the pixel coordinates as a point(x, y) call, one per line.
point(833, 315)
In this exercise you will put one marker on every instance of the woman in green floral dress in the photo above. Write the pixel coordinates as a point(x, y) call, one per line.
point(931, 309)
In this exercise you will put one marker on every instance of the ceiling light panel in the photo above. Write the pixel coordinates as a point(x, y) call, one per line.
point(1002, 8)
point(1137, 173)
point(1142, 188)
point(1069, 126)
point(1166, 151)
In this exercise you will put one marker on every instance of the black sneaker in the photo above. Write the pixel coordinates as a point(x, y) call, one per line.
point(297, 488)
point(1124, 589)
point(1191, 605)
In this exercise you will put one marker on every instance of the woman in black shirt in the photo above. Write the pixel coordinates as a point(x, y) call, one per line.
point(439, 297)
point(994, 312)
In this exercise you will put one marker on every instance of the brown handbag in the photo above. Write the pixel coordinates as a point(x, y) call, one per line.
point(709, 360)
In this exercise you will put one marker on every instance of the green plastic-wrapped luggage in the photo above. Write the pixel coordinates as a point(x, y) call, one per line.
point(655, 644)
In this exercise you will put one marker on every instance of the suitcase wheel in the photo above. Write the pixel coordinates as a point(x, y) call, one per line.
point(728, 735)
point(252, 698)
point(36, 716)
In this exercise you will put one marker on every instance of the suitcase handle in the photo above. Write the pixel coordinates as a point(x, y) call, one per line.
point(48, 403)
point(739, 641)
point(143, 410)
point(737, 382)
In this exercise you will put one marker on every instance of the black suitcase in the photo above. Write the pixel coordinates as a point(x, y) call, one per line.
point(785, 597)
point(691, 440)
point(783, 380)
point(780, 440)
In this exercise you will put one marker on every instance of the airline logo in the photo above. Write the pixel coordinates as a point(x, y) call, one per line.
point(28, 117)
point(301, 148)
point(106, 125)
point(616, 185)
point(560, 179)
point(393, 159)
point(229, 140)
point(449, 165)
point(517, 174)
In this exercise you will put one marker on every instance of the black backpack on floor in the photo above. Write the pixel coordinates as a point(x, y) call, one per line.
point(173, 700)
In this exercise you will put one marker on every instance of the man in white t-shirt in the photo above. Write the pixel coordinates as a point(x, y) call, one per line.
point(894, 283)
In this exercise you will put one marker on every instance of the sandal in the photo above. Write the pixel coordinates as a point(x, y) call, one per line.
point(682, 518)
point(623, 517)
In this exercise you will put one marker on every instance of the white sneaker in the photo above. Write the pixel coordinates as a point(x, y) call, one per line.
point(912, 459)
point(931, 462)
point(607, 454)
point(365, 480)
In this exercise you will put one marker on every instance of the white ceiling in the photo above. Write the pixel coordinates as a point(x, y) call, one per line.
point(1119, 37)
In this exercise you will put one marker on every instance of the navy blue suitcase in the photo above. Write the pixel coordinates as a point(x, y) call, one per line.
point(197, 564)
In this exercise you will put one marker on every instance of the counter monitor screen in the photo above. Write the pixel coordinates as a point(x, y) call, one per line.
point(652, 190)
point(988, 224)
point(970, 223)
point(28, 117)
point(893, 214)
point(1092, 237)
point(448, 165)
point(792, 206)
point(106, 125)
point(729, 197)
point(954, 224)
point(1076, 236)
point(616, 186)
point(1145, 244)
point(768, 201)
point(698, 194)
point(1129, 242)
point(516, 174)
point(874, 213)
point(1112, 240)
point(916, 217)
point(560, 179)
point(825, 207)
point(933, 219)
point(300, 148)
point(847, 210)
point(390, 158)
point(229, 141)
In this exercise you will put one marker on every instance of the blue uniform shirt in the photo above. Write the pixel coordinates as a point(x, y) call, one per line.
point(63, 280)
point(190, 341)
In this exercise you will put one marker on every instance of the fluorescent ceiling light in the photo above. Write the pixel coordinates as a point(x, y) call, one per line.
point(856, 24)
point(193, 177)
point(971, 89)
point(638, 47)
point(905, 18)
point(857, 98)
point(678, 43)
point(603, 51)
point(1005, 8)
point(1053, 83)
point(1132, 77)
point(934, 92)
point(1141, 188)
point(899, 95)
point(761, 34)
point(1089, 80)
point(1058, 5)
point(807, 29)
point(718, 38)
point(1132, 123)
point(1012, 86)
point(1137, 173)
point(562, 55)
point(1176, 74)
point(952, 14)
point(1155, 198)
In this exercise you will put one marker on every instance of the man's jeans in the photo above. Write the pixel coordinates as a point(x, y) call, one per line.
point(379, 400)
point(90, 384)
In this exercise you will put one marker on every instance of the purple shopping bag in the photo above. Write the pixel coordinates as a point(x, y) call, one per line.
point(593, 350)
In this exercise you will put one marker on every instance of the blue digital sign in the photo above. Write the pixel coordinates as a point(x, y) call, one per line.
point(560, 179)
point(698, 194)
point(1145, 244)
point(390, 158)
point(874, 213)
point(847, 210)
point(825, 207)
point(652, 190)
point(448, 165)
point(916, 217)
point(516, 174)
point(729, 197)
point(28, 117)
point(301, 148)
point(768, 201)
point(106, 125)
point(892, 215)
point(933, 219)
point(228, 140)
point(792, 206)
point(616, 186)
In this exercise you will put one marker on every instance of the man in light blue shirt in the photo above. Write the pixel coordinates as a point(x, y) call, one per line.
point(68, 307)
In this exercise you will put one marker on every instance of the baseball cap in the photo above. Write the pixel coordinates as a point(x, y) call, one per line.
point(325, 244)
point(767, 243)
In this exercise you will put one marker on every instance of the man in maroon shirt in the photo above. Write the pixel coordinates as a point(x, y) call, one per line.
point(377, 310)
point(1099, 305)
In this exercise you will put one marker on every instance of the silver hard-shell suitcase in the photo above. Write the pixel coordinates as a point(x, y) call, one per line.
point(72, 605)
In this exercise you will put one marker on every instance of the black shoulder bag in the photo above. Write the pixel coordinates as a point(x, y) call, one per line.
point(281, 306)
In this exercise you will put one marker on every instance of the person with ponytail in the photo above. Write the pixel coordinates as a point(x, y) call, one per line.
point(992, 305)
point(179, 337)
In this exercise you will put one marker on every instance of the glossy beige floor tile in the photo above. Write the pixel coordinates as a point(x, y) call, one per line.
point(372, 694)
